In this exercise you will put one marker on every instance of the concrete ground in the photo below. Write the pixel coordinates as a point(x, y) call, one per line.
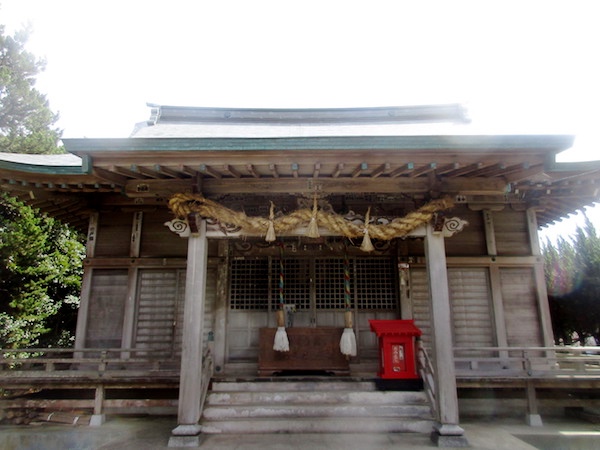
point(152, 433)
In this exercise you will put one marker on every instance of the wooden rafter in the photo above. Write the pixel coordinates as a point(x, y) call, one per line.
point(232, 171)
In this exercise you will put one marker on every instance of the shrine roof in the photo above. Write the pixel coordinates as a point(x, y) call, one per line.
point(389, 151)
point(177, 121)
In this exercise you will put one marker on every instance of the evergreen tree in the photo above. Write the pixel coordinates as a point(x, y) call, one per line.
point(40, 277)
point(27, 125)
point(573, 280)
point(40, 258)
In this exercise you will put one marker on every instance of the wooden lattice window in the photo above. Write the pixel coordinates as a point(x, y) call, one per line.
point(313, 283)
point(296, 273)
point(375, 283)
point(329, 283)
point(249, 284)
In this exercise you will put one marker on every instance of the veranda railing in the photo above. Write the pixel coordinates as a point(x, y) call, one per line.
point(527, 362)
point(31, 363)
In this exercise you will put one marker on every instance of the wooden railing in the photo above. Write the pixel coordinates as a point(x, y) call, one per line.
point(207, 373)
point(427, 374)
point(527, 362)
point(49, 364)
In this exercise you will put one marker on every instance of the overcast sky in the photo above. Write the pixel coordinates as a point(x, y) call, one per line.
point(519, 66)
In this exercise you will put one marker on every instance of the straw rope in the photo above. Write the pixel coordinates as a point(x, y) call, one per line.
point(184, 204)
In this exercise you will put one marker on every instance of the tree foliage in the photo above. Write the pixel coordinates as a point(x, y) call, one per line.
point(573, 280)
point(40, 258)
point(40, 277)
point(27, 124)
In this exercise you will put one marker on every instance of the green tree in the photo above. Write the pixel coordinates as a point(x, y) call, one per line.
point(573, 280)
point(27, 124)
point(40, 258)
point(40, 277)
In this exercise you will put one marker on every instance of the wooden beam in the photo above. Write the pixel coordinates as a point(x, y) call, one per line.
point(474, 186)
point(306, 185)
point(158, 188)
point(446, 168)
point(479, 186)
point(317, 170)
point(146, 171)
point(487, 171)
point(204, 169)
point(252, 171)
point(464, 170)
point(110, 176)
point(380, 170)
point(188, 170)
point(167, 171)
point(402, 170)
point(360, 169)
point(232, 171)
point(273, 169)
point(515, 177)
point(338, 170)
point(127, 172)
point(423, 170)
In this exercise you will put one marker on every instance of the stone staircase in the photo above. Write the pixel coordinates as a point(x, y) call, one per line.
point(313, 406)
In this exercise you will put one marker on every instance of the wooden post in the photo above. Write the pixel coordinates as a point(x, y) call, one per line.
point(86, 285)
point(98, 418)
point(406, 306)
point(129, 312)
point(221, 306)
point(446, 433)
point(533, 417)
point(187, 432)
point(490, 233)
point(540, 280)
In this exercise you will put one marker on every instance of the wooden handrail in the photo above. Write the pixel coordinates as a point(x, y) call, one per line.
point(427, 374)
point(207, 373)
point(100, 360)
point(527, 361)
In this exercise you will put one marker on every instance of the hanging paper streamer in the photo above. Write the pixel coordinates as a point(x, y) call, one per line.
point(281, 342)
point(348, 339)
point(366, 245)
point(313, 227)
point(270, 237)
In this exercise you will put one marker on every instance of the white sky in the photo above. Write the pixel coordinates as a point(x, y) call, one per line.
point(523, 66)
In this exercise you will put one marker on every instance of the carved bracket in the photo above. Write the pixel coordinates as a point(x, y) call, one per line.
point(452, 226)
point(180, 227)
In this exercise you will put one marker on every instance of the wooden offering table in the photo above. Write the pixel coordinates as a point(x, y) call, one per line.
point(311, 349)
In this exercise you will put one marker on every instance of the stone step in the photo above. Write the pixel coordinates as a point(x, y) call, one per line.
point(332, 406)
point(319, 425)
point(288, 386)
point(310, 410)
point(316, 397)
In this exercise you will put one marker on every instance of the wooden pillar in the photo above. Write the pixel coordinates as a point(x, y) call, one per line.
point(98, 418)
point(446, 433)
point(187, 433)
point(221, 306)
point(540, 280)
point(132, 284)
point(533, 416)
point(86, 284)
